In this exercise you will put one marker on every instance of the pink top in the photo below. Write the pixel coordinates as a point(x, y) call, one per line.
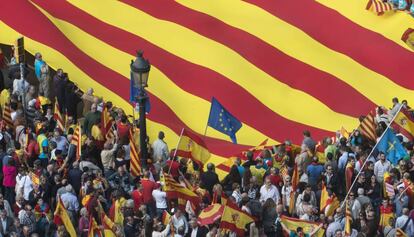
point(10, 173)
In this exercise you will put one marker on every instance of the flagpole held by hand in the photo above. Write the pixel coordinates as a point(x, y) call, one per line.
point(175, 151)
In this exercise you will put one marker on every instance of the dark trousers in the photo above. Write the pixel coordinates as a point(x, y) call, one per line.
point(9, 194)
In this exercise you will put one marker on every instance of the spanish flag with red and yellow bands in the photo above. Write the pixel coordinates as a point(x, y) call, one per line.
point(328, 203)
point(210, 214)
point(175, 190)
point(94, 230)
point(348, 219)
point(385, 215)
point(293, 224)
point(108, 225)
point(234, 219)
point(193, 147)
point(404, 124)
point(61, 217)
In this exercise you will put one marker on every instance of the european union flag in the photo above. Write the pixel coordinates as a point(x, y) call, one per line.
point(134, 92)
point(223, 121)
point(391, 146)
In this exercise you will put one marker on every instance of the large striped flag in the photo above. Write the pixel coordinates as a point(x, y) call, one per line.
point(175, 190)
point(307, 226)
point(367, 126)
point(234, 219)
point(379, 6)
point(61, 217)
point(134, 154)
point(210, 214)
point(404, 124)
point(274, 70)
point(60, 123)
point(77, 141)
point(192, 146)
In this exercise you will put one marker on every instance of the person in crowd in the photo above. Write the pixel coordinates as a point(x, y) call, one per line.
point(90, 119)
point(209, 178)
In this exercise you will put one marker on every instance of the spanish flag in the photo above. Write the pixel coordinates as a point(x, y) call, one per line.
point(404, 124)
point(344, 132)
point(175, 190)
point(108, 225)
point(193, 147)
point(61, 217)
point(320, 153)
point(348, 219)
point(408, 38)
point(210, 214)
point(133, 153)
point(328, 203)
point(386, 214)
point(295, 182)
point(94, 230)
point(58, 116)
point(86, 199)
point(115, 211)
point(293, 224)
point(77, 141)
point(234, 219)
point(166, 218)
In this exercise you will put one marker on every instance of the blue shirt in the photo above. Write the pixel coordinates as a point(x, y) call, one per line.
point(342, 161)
point(43, 155)
point(314, 172)
point(38, 66)
point(241, 170)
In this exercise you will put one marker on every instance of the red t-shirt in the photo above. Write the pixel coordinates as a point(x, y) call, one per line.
point(175, 166)
point(123, 129)
point(147, 187)
point(275, 179)
point(138, 198)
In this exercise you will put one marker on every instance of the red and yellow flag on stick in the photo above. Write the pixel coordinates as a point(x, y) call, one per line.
point(7, 115)
point(108, 225)
point(404, 124)
point(367, 127)
point(166, 219)
point(193, 147)
point(348, 219)
point(408, 38)
point(106, 123)
point(94, 230)
point(234, 219)
point(60, 123)
point(295, 182)
point(77, 141)
point(175, 190)
point(386, 213)
point(379, 7)
point(61, 217)
point(328, 203)
point(307, 226)
point(133, 153)
point(210, 214)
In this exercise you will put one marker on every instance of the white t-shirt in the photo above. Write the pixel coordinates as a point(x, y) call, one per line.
point(160, 198)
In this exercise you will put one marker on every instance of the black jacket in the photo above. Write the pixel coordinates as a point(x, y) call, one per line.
point(201, 231)
point(208, 180)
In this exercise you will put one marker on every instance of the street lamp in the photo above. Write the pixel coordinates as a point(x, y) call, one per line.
point(139, 74)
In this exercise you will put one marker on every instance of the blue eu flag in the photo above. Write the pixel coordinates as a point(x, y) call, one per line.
point(223, 121)
point(391, 146)
point(134, 92)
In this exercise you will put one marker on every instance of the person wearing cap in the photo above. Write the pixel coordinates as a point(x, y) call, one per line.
point(196, 230)
point(160, 198)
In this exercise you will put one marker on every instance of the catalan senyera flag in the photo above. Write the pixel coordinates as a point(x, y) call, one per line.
point(35, 178)
point(408, 38)
point(7, 115)
point(367, 126)
point(176, 190)
point(193, 147)
point(293, 224)
point(234, 219)
point(134, 154)
point(378, 6)
point(60, 123)
point(77, 141)
point(118, 216)
point(348, 219)
point(107, 123)
point(61, 217)
point(210, 214)
point(404, 124)
point(255, 65)
point(94, 230)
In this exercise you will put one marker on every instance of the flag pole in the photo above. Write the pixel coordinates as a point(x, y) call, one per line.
point(176, 148)
point(372, 150)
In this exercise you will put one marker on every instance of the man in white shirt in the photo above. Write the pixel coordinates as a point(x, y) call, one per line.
point(381, 166)
point(195, 230)
point(160, 198)
point(178, 221)
point(404, 223)
point(268, 190)
point(24, 185)
point(160, 148)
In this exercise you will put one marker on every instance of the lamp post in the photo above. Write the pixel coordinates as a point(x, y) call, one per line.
point(139, 74)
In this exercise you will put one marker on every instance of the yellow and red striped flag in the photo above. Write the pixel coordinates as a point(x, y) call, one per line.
point(328, 203)
point(94, 230)
point(35, 178)
point(210, 214)
point(108, 225)
point(175, 190)
point(385, 215)
point(234, 219)
point(107, 123)
point(61, 217)
point(379, 6)
point(58, 116)
point(166, 219)
point(295, 182)
point(77, 141)
point(307, 226)
point(367, 126)
point(408, 38)
point(348, 219)
point(134, 154)
point(7, 115)
point(193, 147)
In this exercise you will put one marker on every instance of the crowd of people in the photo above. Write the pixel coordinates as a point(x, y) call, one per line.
point(40, 167)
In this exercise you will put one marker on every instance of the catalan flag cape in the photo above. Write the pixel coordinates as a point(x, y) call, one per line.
point(404, 124)
point(175, 190)
point(348, 219)
point(77, 141)
point(60, 123)
point(210, 214)
point(386, 213)
point(379, 7)
point(134, 154)
point(234, 219)
point(61, 217)
point(368, 126)
point(193, 147)
point(293, 223)
point(94, 230)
